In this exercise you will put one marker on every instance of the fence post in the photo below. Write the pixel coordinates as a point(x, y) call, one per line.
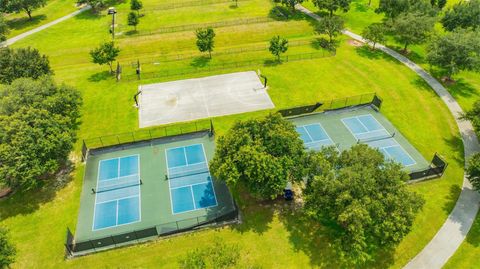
point(133, 136)
point(118, 139)
point(101, 142)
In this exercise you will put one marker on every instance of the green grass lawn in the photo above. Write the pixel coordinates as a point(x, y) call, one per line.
point(273, 234)
point(467, 89)
point(20, 23)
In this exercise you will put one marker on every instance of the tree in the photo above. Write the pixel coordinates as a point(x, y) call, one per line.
point(106, 53)
point(412, 29)
point(205, 40)
point(10, 6)
point(291, 3)
point(133, 19)
point(393, 8)
point(332, 5)
point(473, 115)
point(38, 123)
point(7, 250)
point(440, 4)
point(473, 170)
point(331, 26)
point(136, 5)
point(464, 14)
point(260, 154)
point(278, 46)
point(3, 28)
point(23, 62)
point(455, 51)
point(375, 32)
point(363, 198)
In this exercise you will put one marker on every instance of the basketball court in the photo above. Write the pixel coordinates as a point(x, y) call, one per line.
point(192, 99)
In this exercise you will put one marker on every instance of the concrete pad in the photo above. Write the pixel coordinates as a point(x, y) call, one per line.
point(192, 99)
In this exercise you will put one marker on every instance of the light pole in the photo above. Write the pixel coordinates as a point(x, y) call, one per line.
point(112, 11)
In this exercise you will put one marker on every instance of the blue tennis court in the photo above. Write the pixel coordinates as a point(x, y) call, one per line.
point(117, 200)
point(191, 186)
point(368, 129)
point(314, 136)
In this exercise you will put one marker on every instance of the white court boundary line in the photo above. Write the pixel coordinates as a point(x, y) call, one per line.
point(139, 194)
point(190, 186)
point(329, 139)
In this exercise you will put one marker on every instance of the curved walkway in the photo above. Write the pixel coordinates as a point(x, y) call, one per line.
point(43, 27)
point(456, 227)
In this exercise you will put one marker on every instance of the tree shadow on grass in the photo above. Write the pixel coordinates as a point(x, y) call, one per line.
point(374, 54)
point(97, 77)
point(281, 13)
point(452, 198)
point(91, 15)
point(315, 240)
point(456, 144)
point(360, 6)
point(201, 61)
point(25, 22)
point(411, 55)
point(27, 202)
point(256, 215)
point(473, 236)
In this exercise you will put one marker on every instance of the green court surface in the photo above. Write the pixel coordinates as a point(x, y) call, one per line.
point(347, 127)
point(132, 192)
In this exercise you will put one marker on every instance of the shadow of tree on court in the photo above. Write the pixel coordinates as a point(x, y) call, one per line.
point(315, 240)
point(26, 202)
point(25, 22)
point(452, 198)
point(97, 77)
point(200, 61)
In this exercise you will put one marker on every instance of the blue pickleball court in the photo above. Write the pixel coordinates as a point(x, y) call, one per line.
point(117, 200)
point(368, 129)
point(191, 186)
point(314, 136)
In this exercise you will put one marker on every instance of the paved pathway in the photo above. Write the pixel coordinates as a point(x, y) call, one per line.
point(43, 27)
point(455, 229)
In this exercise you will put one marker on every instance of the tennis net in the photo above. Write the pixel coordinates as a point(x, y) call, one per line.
point(118, 183)
point(376, 138)
point(183, 171)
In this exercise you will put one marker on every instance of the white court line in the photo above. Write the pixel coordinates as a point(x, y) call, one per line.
point(191, 185)
point(139, 193)
point(406, 152)
point(191, 189)
point(361, 133)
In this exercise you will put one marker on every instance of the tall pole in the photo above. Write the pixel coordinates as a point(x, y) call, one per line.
point(113, 25)
point(112, 11)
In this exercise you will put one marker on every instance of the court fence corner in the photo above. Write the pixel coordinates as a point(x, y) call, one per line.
point(436, 169)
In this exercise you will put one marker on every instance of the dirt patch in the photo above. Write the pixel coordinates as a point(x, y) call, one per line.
point(447, 81)
point(355, 43)
point(5, 192)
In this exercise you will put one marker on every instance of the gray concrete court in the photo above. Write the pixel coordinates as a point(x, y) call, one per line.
point(192, 99)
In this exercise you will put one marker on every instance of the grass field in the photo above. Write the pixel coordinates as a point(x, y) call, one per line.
point(54, 9)
point(273, 234)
